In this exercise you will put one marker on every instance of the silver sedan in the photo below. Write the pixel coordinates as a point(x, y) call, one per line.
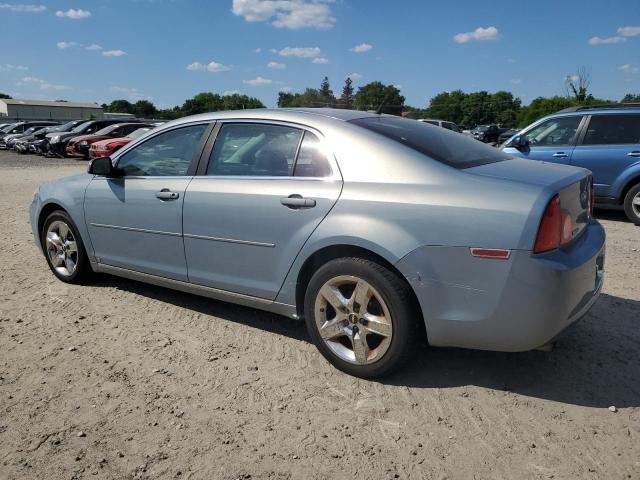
point(378, 231)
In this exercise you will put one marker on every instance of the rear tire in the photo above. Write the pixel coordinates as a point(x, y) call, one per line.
point(361, 316)
point(632, 204)
point(63, 248)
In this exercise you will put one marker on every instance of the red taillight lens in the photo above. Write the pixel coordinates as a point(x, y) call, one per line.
point(549, 232)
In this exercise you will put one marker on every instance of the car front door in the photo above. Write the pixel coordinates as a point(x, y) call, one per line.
point(609, 145)
point(551, 141)
point(266, 187)
point(135, 219)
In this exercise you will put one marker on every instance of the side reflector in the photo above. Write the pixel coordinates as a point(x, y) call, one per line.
point(490, 253)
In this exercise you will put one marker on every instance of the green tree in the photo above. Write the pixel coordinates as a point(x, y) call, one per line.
point(378, 96)
point(145, 109)
point(346, 99)
point(285, 99)
point(309, 98)
point(240, 102)
point(201, 103)
point(631, 98)
point(578, 84)
point(120, 106)
point(326, 93)
point(4, 95)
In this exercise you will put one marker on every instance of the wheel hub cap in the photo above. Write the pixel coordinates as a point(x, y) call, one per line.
point(61, 248)
point(353, 320)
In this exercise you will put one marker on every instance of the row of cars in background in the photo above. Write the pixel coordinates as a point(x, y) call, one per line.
point(485, 133)
point(83, 139)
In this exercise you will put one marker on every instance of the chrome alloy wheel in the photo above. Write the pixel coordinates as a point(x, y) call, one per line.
point(635, 204)
point(353, 320)
point(61, 247)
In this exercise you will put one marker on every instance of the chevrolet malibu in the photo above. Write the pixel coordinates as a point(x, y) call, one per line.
point(374, 229)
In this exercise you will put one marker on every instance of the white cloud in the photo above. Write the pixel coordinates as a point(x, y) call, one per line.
point(132, 94)
point(479, 34)
point(43, 84)
point(629, 31)
point(606, 41)
point(572, 78)
point(210, 67)
point(93, 46)
point(628, 68)
point(257, 50)
point(320, 60)
point(231, 92)
point(273, 50)
point(13, 7)
point(516, 81)
point(291, 14)
point(276, 65)
point(363, 47)
point(258, 81)
point(285, 90)
point(114, 53)
point(302, 52)
point(65, 45)
point(74, 14)
point(9, 66)
point(354, 76)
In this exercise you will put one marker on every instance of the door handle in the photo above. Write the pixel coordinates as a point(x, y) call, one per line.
point(166, 194)
point(560, 155)
point(635, 153)
point(296, 201)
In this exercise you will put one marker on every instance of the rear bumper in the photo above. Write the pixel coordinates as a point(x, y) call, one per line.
point(505, 305)
point(75, 151)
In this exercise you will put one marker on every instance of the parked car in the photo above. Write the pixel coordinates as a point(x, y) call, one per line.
point(106, 148)
point(21, 143)
point(441, 123)
point(604, 140)
point(36, 142)
point(507, 134)
point(357, 222)
point(19, 128)
point(486, 133)
point(79, 146)
point(56, 145)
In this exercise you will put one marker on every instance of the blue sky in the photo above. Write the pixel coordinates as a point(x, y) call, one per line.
point(169, 50)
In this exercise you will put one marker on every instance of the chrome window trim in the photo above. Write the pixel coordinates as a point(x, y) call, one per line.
point(333, 163)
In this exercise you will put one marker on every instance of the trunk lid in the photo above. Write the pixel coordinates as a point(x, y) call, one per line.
point(572, 184)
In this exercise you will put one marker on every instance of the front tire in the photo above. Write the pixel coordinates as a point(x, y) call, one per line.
point(361, 316)
point(63, 248)
point(632, 204)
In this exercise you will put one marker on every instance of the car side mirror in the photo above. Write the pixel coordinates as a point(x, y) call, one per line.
point(102, 166)
point(520, 141)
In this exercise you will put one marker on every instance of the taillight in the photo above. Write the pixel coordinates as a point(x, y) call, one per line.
point(549, 232)
point(556, 227)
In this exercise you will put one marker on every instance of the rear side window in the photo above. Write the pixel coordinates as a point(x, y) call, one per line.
point(437, 143)
point(312, 160)
point(612, 130)
point(255, 150)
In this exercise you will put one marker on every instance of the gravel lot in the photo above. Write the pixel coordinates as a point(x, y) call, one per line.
point(124, 380)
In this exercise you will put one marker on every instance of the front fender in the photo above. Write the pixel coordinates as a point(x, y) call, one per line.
point(68, 194)
point(630, 174)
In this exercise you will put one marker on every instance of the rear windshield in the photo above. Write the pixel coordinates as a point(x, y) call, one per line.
point(445, 146)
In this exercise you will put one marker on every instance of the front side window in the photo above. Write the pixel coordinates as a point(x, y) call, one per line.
point(254, 149)
point(612, 130)
point(167, 154)
point(312, 159)
point(554, 132)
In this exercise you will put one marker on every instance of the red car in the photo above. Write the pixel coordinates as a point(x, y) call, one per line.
point(105, 148)
point(79, 146)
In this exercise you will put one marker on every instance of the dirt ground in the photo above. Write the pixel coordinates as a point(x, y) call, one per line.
point(124, 380)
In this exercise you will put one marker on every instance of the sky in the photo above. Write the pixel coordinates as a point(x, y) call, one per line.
point(168, 50)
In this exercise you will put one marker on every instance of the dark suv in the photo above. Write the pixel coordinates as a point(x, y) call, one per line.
point(56, 145)
point(605, 140)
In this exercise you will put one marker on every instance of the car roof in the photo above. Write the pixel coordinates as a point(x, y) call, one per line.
point(600, 109)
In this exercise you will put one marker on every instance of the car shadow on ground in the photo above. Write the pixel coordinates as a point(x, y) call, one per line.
point(613, 214)
point(595, 363)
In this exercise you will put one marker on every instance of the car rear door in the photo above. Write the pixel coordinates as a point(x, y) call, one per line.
point(135, 220)
point(609, 145)
point(265, 188)
point(552, 140)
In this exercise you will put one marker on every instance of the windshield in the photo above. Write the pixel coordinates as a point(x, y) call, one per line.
point(445, 146)
point(482, 128)
point(81, 127)
point(8, 128)
point(138, 133)
point(65, 127)
point(107, 130)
